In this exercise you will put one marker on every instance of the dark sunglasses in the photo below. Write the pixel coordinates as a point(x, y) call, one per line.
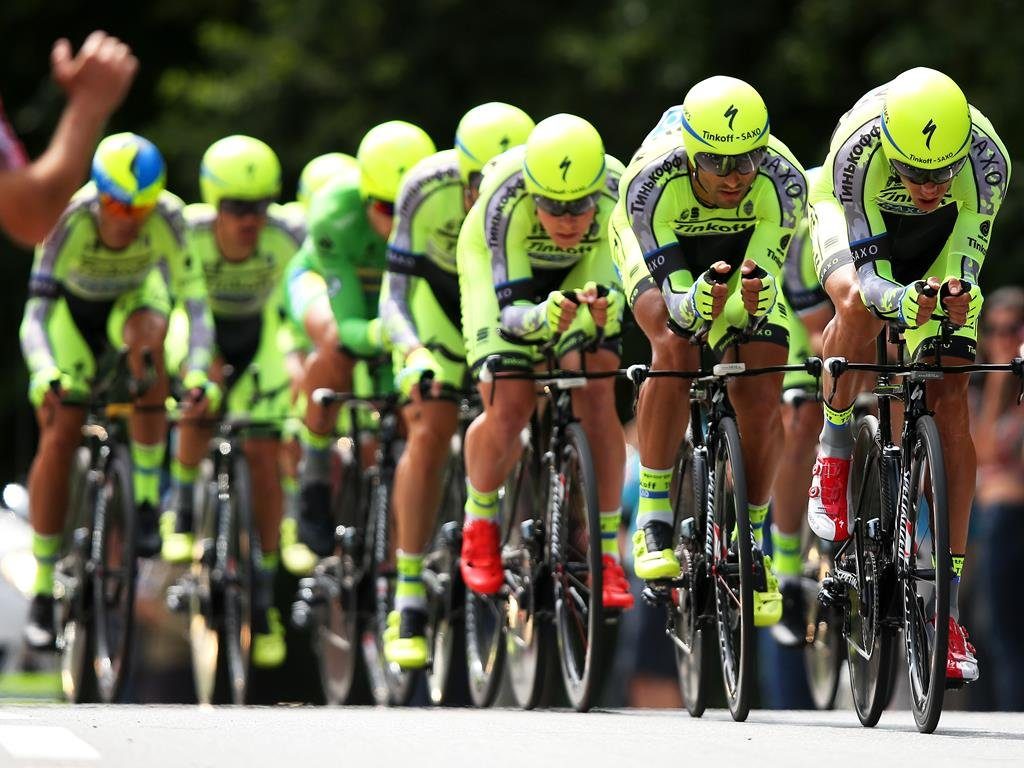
point(234, 207)
point(928, 175)
point(723, 165)
point(473, 182)
point(382, 206)
point(575, 207)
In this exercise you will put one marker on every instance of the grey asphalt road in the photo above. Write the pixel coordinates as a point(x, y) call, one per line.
point(176, 737)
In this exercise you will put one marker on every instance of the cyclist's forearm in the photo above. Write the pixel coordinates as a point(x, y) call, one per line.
point(200, 335)
point(354, 335)
point(527, 321)
point(35, 342)
point(879, 294)
point(396, 314)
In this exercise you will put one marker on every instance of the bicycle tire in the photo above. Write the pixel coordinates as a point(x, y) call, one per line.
point(113, 588)
point(870, 646)
point(734, 576)
point(240, 581)
point(693, 635)
point(528, 642)
point(926, 650)
point(78, 674)
point(577, 573)
point(339, 624)
point(446, 674)
point(823, 655)
point(204, 603)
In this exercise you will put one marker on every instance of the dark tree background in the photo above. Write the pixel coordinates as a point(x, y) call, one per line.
point(311, 76)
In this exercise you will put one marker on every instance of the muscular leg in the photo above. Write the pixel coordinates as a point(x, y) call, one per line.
point(60, 433)
point(144, 331)
point(492, 441)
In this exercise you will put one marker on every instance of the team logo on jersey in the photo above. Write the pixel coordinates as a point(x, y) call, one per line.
point(694, 212)
point(334, 286)
point(564, 165)
point(784, 242)
point(748, 208)
point(929, 131)
point(731, 113)
point(984, 228)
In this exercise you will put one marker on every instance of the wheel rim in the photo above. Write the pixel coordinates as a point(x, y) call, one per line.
point(484, 627)
point(113, 591)
point(729, 585)
point(337, 640)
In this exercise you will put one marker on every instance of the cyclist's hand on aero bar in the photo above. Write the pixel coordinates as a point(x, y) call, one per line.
point(961, 301)
point(203, 395)
point(707, 296)
point(561, 311)
point(760, 290)
point(605, 307)
point(419, 364)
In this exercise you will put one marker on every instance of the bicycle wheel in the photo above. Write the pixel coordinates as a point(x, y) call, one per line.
point(73, 587)
point(870, 646)
point(113, 587)
point(205, 601)
point(823, 655)
point(732, 567)
point(527, 635)
point(239, 574)
point(446, 633)
point(389, 683)
point(692, 636)
point(575, 535)
point(926, 571)
point(338, 626)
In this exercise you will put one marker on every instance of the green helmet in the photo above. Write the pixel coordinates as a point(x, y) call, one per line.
point(239, 168)
point(386, 152)
point(564, 158)
point(723, 116)
point(322, 169)
point(487, 131)
point(926, 122)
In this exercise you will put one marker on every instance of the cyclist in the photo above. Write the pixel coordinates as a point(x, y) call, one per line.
point(419, 308)
point(912, 182)
point(710, 191)
point(333, 287)
point(538, 229)
point(96, 80)
point(808, 311)
point(317, 172)
point(243, 243)
point(96, 284)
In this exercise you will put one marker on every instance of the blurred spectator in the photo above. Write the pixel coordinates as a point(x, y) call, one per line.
point(999, 501)
point(33, 195)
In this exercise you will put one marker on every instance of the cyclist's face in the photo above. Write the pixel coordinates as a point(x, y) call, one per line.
point(567, 231)
point(721, 191)
point(239, 234)
point(381, 216)
point(117, 231)
point(927, 196)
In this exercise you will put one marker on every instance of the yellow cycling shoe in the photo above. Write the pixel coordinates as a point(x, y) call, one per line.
point(269, 648)
point(176, 547)
point(298, 559)
point(653, 557)
point(405, 643)
point(768, 604)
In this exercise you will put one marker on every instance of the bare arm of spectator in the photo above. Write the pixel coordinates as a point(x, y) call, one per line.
point(95, 81)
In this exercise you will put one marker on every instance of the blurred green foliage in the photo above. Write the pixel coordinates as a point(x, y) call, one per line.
point(311, 76)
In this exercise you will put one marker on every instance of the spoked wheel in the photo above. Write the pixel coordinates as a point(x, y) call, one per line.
point(732, 571)
point(823, 655)
point(926, 573)
point(73, 588)
point(446, 633)
point(239, 581)
point(389, 683)
point(205, 599)
point(113, 583)
point(870, 646)
point(693, 634)
point(575, 533)
point(527, 634)
point(338, 628)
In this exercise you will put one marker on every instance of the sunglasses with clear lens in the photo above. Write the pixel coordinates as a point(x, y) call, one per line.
point(723, 165)
point(575, 207)
point(928, 175)
point(383, 207)
point(234, 207)
point(114, 207)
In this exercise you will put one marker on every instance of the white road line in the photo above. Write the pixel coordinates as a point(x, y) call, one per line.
point(44, 742)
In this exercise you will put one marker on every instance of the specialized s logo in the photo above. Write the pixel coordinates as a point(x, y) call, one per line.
point(929, 131)
point(564, 165)
point(731, 113)
point(505, 141)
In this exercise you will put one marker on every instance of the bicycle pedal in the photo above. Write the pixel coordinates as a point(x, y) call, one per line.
point(832, 593)
point(655, 596)
point(451, 534)
point(177, 597)
point(301, 614)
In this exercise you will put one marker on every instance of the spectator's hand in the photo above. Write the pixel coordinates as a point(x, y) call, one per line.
point(97, 78)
